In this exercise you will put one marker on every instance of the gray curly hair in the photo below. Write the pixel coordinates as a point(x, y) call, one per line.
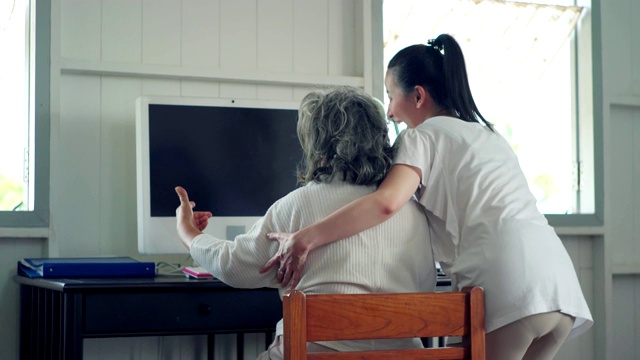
point(343, 133)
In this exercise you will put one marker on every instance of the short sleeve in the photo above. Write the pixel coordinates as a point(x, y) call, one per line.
point(414, 150)
point(417, 148)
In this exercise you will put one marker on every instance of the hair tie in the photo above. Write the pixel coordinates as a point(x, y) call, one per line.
point(436, 44)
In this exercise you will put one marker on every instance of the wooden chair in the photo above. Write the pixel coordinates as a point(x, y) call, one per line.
point(330, 317)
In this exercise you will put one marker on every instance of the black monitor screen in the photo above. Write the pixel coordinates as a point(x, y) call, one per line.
point(232, 161)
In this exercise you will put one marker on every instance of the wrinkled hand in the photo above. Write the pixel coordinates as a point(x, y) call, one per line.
point(289, 259)
point(189, 223)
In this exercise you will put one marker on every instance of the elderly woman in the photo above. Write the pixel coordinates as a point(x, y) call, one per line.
point(343, 134)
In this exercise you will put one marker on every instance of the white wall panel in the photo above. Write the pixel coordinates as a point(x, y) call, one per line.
point(77, 188)
point(238, 35)
point(122, 31)
point(80, 29)
point(619, 40)
point(275, 36)
point(310, 43)
point(342, 38)
point(580, 249)
point(301, 92)
point(626, 317)
point(634, 27)
point(624, 194)
point(275, 92)
point(275, 45)
point(238, 91)
point(201, 33)
point(160, 87)
point(200, 88)
point(118, 232)
point(161, 35)
point(12, 250)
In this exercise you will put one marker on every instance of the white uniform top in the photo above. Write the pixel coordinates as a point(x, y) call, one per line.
point(486, 228)
point(394, 256)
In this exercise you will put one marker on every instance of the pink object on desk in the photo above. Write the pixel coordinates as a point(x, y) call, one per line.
point(196, 272)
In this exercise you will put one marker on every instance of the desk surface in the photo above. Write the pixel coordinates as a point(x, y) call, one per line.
point(178, 282)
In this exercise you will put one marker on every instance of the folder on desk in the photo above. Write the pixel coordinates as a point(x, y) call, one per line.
point(83, 267)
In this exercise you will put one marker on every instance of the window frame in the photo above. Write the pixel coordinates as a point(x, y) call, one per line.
point(586, 44)
point(40, 110)
point(588, 126)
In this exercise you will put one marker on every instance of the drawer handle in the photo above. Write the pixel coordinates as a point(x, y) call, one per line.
point(204, 309)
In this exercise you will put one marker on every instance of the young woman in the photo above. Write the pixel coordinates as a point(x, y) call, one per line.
point(485, 226)
point(343, 134)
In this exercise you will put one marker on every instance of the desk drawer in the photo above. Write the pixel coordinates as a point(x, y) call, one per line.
point(188, 312)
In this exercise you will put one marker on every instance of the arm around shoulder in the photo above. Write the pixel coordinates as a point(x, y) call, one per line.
point(368, 211)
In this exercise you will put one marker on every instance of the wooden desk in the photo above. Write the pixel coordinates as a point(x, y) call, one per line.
point(57, 314)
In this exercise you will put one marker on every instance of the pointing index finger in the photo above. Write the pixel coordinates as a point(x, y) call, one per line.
point(182, 194)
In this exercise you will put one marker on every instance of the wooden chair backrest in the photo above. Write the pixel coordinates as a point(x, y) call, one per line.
point(330, 317)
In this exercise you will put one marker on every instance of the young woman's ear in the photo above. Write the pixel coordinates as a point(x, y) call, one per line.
point(420, 96)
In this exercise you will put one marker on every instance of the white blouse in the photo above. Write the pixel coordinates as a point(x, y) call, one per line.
point(486, 228)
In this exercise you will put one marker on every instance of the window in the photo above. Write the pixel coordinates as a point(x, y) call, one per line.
point(522, 60)
point(24, 90)
point(14, 92)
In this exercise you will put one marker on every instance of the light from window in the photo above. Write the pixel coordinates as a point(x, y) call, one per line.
point(14, 111)
point(519, 64)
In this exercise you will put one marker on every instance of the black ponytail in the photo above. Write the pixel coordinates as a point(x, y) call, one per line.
point(439, 67)
point(456, 83)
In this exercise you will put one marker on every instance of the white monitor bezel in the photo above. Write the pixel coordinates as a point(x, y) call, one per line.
point(158, 235)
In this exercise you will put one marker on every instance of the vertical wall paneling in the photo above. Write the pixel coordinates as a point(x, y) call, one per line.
point(585, 344)
point(634, 29)
point(160, 87)
point(310, 42)
point(627, 321)
point(300, 91)
point(365, 12)
point(372, 51)
point(580, 249)
point(275, 36)
point(238, 35)
point(122, 31)
point(624, 216)
point(342, 32)
point(201, 33)
point(11, 250)
point(634, 305)
point(9, 298)
point(275, 45)
point(78, 187)
point(195, 88)
point(617, 38)
point(238, 44)
point(201, 44)
point(161, 35)
point(80, 29)
point(620, 74)
point(118, 165)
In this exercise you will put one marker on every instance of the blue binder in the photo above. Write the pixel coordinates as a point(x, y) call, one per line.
point(84, 267)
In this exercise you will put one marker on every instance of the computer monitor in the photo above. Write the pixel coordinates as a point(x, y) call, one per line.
point(235, 158)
